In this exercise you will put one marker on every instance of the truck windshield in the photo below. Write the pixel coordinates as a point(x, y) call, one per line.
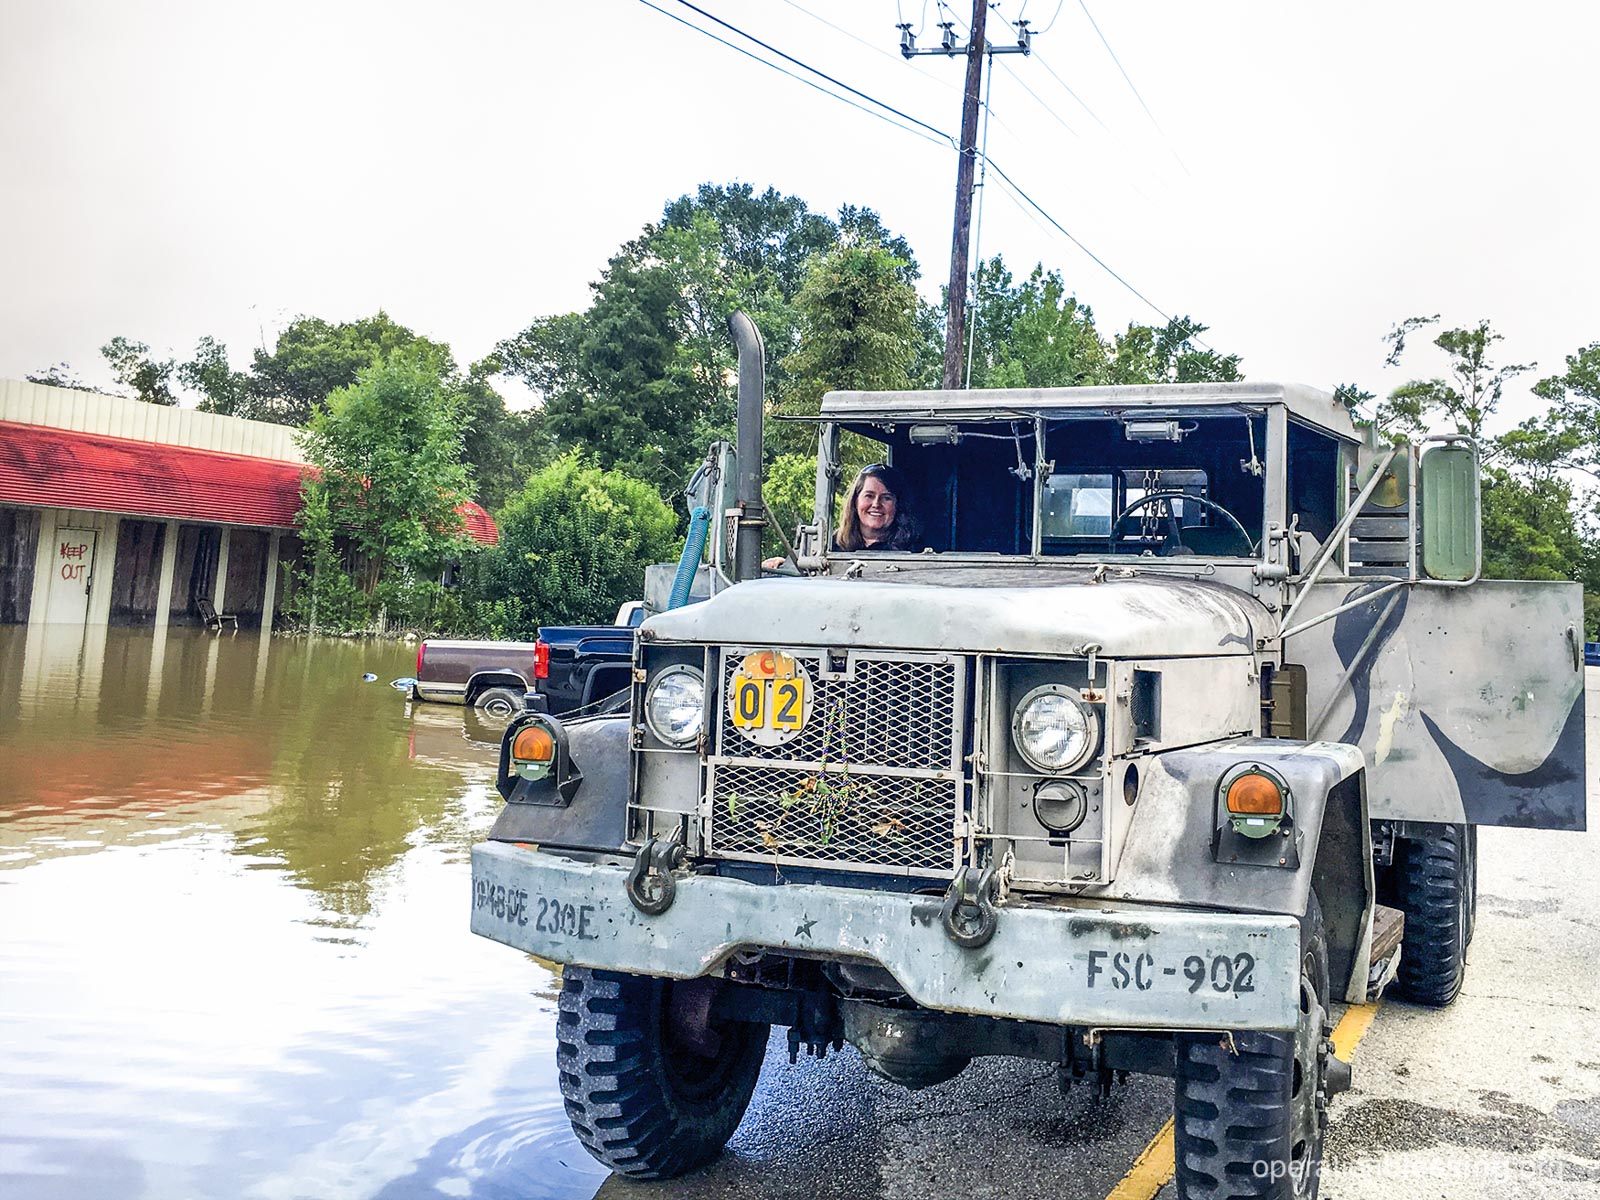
point(1104, 484)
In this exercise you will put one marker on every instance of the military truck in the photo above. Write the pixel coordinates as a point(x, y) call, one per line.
point(1174, 734)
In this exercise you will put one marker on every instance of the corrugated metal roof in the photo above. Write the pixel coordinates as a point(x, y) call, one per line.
point(58, 468)
point(120, 417)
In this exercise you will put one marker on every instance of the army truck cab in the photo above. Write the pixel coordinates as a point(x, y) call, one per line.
point(1171, 733)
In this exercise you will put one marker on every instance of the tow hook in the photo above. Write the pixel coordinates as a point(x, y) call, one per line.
point(650, 884)
point(969, 913)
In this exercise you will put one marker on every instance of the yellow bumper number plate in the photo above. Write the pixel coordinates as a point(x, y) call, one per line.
point(769, 697)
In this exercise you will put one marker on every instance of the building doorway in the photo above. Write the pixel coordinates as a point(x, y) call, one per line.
point(71, 576)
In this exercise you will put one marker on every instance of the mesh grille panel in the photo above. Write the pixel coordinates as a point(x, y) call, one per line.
point(893, 713)
point(847, 818)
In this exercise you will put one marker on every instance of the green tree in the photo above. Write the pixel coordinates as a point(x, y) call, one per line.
point(386, 474)
point(643, 378)
point(313, 358)
point(1033, 333)
point(574, 544)
point(1533, 525)
point(59, 375)
point(1170, 353)
point(1036, 333)
point(857, 325)
point(1529, 527)
point(1468, 397)
point(1574, 417)
point(500, 446)
point(222, 389)
point(131, 364)
point(790, 489)
point(546, 357)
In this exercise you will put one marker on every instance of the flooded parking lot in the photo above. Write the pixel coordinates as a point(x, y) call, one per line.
point(233, 958)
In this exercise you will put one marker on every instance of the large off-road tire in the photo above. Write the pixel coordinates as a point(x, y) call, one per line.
point(1252, 1112)
point(640, 1098)
point(1435, 885)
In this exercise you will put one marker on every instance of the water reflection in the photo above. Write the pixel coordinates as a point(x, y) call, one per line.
point(233, 932)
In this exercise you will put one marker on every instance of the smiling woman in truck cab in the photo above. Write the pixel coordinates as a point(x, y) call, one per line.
point(877, 515)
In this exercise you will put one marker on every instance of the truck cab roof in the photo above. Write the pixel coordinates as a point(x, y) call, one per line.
point(1306, 405)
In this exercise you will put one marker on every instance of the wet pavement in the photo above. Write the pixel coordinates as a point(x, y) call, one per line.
point(234, 963)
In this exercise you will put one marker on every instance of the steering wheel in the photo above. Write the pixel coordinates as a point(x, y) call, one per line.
point(1172, 535)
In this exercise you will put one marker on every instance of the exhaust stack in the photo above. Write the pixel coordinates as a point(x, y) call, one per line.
point(752, 397)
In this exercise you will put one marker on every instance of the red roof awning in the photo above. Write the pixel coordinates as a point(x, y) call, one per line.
point(479, 524)
point(63, 468)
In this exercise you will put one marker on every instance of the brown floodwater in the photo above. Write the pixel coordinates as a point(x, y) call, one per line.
point(234, 957)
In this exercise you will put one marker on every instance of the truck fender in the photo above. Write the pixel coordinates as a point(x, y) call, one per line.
point(596, 818)
point(1173, 851)
point(493, 677)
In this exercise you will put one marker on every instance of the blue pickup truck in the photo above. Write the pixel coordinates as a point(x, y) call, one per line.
point(584, 668)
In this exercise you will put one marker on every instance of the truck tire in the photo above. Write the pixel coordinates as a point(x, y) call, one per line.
point(1435, 885)
point(1252, 1111)
point(498, 702)
point(640, 1100)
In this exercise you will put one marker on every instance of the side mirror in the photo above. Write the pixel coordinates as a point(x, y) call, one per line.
point(1449, 520)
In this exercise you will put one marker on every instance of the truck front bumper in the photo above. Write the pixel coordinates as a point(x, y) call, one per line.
point(1067, 962)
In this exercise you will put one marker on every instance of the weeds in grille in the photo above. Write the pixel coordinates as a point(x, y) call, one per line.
point(840, 815)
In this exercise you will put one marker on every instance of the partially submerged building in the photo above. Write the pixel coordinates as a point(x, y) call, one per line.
point(118, 512)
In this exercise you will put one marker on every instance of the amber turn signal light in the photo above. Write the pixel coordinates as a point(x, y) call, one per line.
point(533, 744)
point(1255, 796)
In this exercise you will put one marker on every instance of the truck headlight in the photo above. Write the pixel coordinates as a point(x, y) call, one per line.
point(675, 704)
point(1054, 729)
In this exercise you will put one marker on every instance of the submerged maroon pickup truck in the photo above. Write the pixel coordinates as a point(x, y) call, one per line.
point(492, 676)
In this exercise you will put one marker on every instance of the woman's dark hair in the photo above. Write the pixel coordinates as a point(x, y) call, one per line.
point(902, 535)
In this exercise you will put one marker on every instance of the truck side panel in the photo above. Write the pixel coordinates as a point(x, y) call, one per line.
point(1467, 703)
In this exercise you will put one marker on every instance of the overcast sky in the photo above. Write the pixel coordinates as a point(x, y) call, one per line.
point(1312, 172)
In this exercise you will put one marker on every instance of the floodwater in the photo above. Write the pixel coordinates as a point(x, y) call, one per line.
point(234, 957)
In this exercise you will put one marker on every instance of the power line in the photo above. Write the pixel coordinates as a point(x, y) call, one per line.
point(1084, 5)
point(1054, 115)
point(953, 18)
point(1066, 233)
point(1052, 73)
point(900, 16)
point(894, 58)
point(808, 67)
point(943, 139)
point(876, 49)
point(1024, 209)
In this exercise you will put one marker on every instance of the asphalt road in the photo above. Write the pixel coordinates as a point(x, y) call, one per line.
point(1497, 1096)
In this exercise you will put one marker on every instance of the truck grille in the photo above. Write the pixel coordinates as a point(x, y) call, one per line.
point(872, 782)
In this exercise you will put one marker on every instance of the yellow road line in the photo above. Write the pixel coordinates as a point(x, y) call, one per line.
point(1150, 1171)
point(1154, 1167)
point(1352, 1028)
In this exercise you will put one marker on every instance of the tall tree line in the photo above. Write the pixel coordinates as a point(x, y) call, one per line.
point(634, 386)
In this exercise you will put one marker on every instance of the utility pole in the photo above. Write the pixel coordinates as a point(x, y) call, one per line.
point(961, 239)
point(975, 50)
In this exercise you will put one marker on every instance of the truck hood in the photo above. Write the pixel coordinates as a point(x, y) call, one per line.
point(1050, 613)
